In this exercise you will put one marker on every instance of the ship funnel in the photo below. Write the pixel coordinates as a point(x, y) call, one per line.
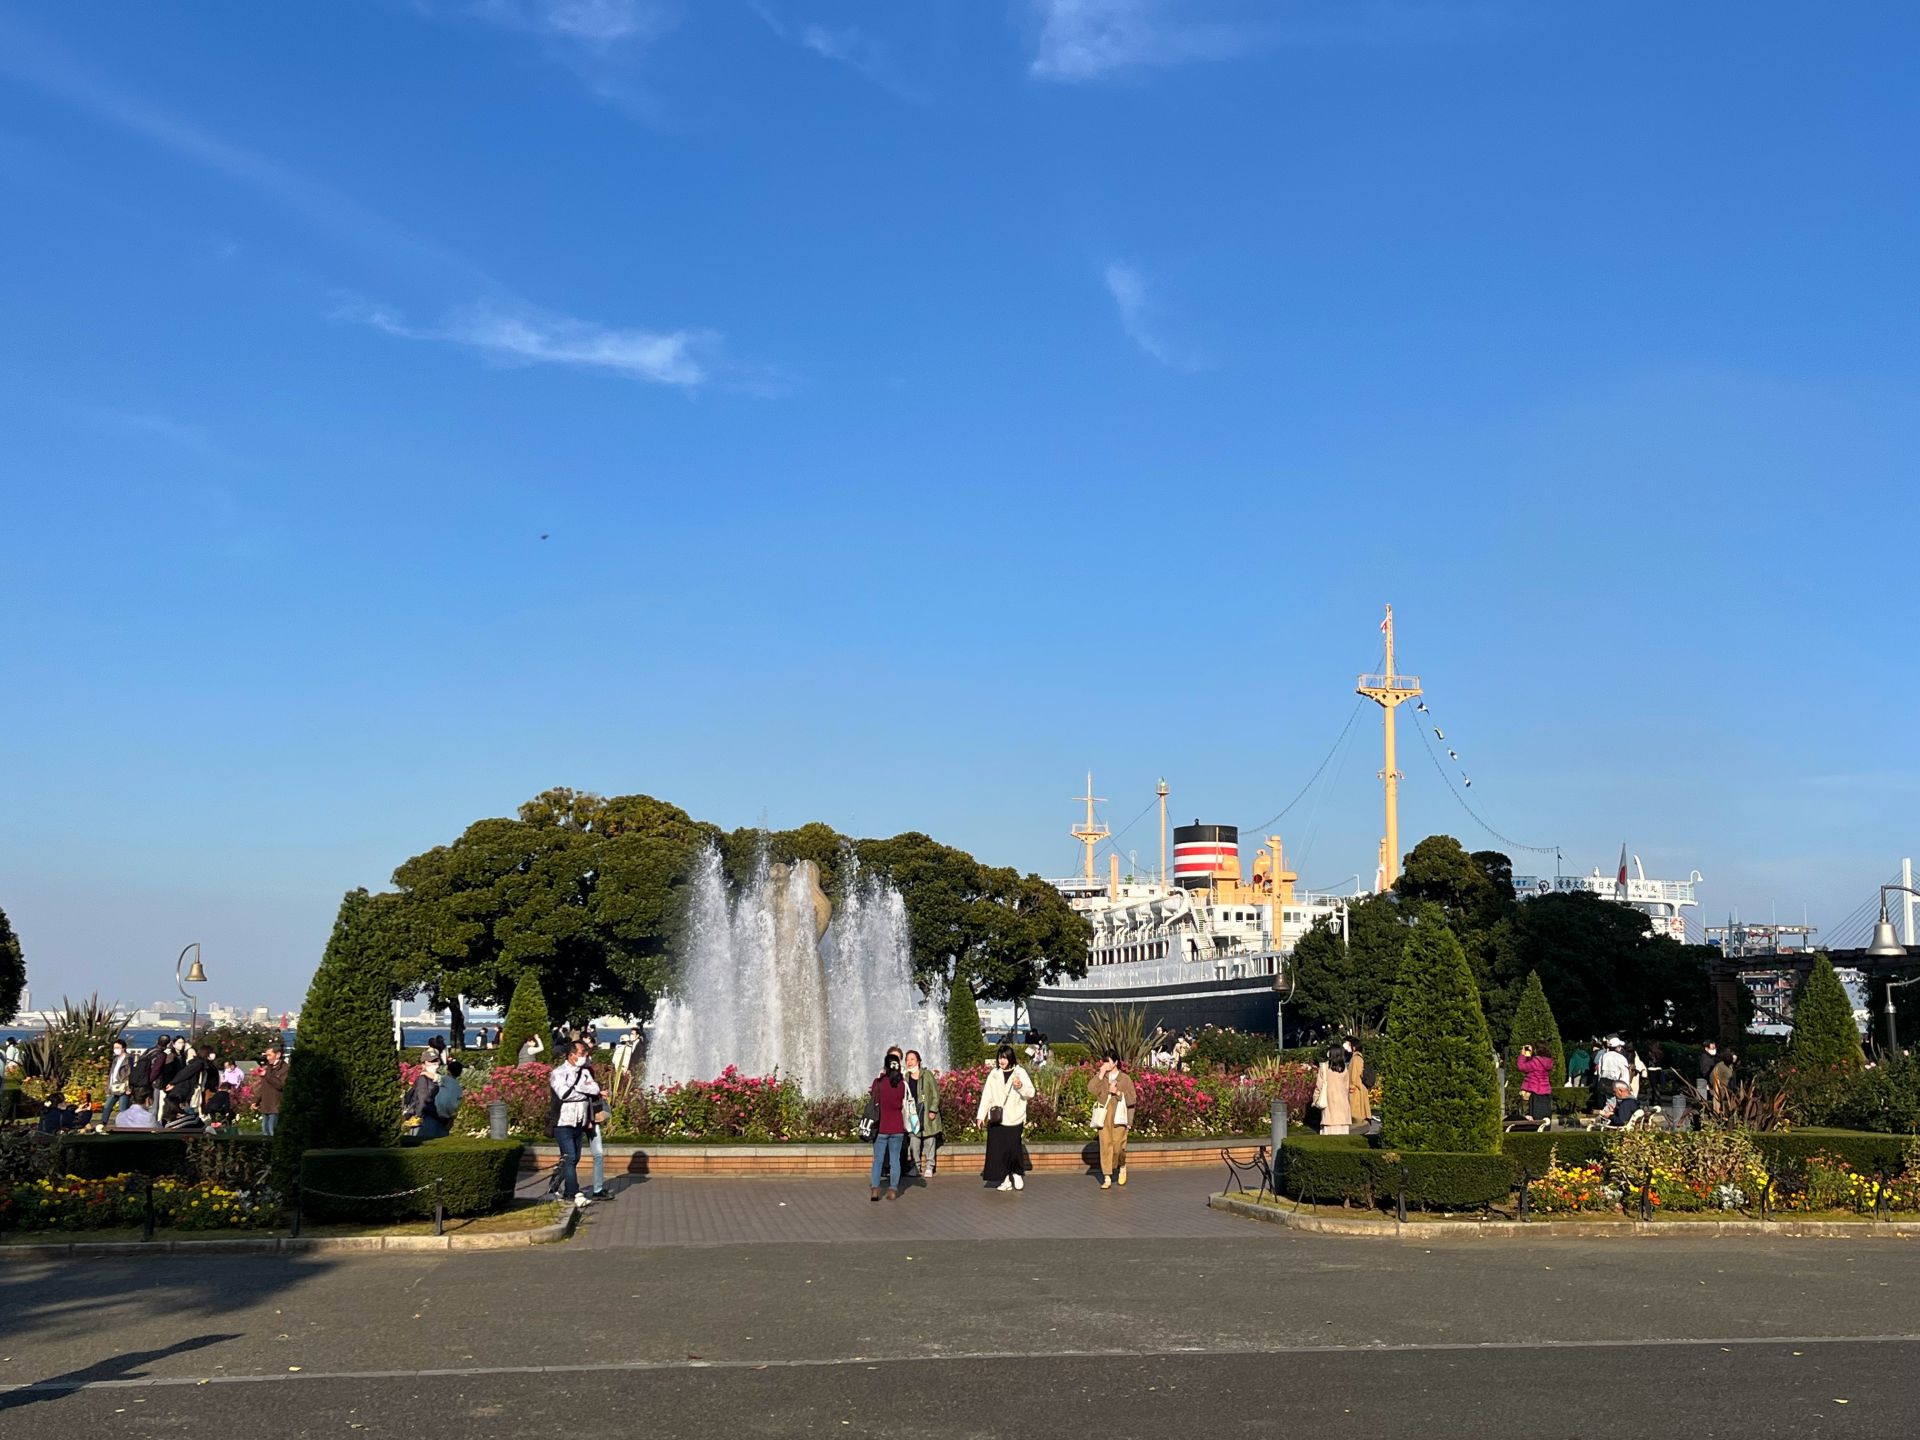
point(1205, 855)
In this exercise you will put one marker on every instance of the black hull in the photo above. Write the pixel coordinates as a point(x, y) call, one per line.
point(1250, 1004)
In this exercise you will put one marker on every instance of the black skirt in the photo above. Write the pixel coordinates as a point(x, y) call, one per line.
point(1540, 1107)
point(1003, 1152)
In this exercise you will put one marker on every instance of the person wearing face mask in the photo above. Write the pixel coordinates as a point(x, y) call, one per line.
point(890, 1099)
point(1003, 1110)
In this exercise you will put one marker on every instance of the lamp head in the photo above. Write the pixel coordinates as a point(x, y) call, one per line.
point(1885, 943)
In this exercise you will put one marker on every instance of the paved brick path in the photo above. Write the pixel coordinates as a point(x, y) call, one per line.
point(699, 1211)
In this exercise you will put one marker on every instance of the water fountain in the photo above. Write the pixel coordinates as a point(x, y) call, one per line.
point(770, 980)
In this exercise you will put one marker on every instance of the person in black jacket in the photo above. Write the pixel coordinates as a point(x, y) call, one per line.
point(1709, 1057)
point(198, 1070)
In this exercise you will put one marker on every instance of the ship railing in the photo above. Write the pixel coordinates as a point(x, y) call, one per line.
point(1380, 682)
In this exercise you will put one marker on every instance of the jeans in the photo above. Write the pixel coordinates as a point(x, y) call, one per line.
point(599, 1163)
point(432, 1127)
point(569, 1138)
point(115, 1104)
point(886, 1148)
point(268, 1123)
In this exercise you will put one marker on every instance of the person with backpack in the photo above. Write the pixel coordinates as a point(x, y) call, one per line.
point(575, 1094)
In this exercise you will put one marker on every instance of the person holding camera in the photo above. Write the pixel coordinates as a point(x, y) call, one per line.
point(269, 1084)
point(1536, 1084)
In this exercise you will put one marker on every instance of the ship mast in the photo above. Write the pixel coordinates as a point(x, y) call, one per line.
point(1389, 691)
point(1091, 833)
point(1161, 791)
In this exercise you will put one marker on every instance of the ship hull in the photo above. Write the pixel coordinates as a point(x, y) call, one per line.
point(1243, 1003)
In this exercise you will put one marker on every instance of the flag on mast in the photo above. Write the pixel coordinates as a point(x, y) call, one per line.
point(1620, 880)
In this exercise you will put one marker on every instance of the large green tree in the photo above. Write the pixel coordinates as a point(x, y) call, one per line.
point(1345, 984)
point(1005, 933)
point(1603, 970)
point(1824, 1033)
point(13, 971)
point(1533, 1024)
point(1438, 1087)
point(343, 1085)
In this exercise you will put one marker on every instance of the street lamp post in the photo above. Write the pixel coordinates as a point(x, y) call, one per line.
point(196, 975)
point(1887, 946)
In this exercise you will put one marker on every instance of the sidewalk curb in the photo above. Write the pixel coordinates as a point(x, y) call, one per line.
point(1427, 1231)
point(290, 1245)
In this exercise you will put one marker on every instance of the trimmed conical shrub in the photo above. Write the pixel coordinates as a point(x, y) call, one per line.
point(343, 1084)
point(1438, 1089)
point(966, 1041)
point(526, 1017)
point(1824, 1034)
point(1533, 1024)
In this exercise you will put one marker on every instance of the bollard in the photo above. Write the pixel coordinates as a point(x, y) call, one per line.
point(1646, 1197)
point(146, 1218)
point(497, 1119)
point(1526, 1184)
point(1400, 1204)
point(1276, 1138)
point(439, 1209)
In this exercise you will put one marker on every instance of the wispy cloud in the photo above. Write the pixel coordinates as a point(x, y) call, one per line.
point(1084, 40)
point(319, 204)
point(587, 22)
point(859, 50)
point(499, 325)
point(1080, 41)
point(1139, 316)
point(524, 336)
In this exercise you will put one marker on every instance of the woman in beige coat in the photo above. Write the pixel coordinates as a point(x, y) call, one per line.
point(1113, 1102)
point(1332, 1094)
point(1359, 1097)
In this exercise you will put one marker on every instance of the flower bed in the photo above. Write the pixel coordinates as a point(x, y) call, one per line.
point(70, 1202)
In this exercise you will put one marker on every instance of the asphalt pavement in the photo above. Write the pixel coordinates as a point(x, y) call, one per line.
point(1236, 1328)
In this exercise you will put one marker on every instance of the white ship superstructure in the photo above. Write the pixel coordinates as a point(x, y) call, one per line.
point(1663, 902)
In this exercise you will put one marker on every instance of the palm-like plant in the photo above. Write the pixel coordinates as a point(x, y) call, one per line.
point(1124, 1032)
point(78, 1035)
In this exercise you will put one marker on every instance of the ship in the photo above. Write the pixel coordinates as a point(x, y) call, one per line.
point(1211, 943)
point(1207, 945)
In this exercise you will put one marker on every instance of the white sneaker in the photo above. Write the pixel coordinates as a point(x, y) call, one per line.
point(1006, 1184)
point(582, 1200)
point(1019, 1183)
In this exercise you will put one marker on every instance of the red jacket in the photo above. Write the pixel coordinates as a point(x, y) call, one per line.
point(891, 1099)
point(1536, 1074)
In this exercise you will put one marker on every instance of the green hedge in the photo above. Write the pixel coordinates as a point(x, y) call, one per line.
point(476, 1178)
point(1534, 1150)
point(1344, 1167)
point(1866, 1153)
point(95, 1157)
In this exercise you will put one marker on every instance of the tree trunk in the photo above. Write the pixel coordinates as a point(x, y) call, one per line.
point(458, 1017)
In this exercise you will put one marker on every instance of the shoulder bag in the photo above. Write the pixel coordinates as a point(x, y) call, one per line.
point(870, 1118)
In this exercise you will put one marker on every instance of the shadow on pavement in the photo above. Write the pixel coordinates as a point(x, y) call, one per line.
point(118, 1367)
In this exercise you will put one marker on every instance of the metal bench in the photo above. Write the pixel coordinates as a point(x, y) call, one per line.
point(1246, 1164)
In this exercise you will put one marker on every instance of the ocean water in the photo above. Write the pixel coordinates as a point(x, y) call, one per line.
point(143, 1039)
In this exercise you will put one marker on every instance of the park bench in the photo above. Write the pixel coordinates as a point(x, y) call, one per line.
point(1247, 1163)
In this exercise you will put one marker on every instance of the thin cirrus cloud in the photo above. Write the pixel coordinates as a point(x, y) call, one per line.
point(520, 335)
point(501, 326)
point(1140, 317)
point(588, 22)
point(848, 45)
point(1084, 40)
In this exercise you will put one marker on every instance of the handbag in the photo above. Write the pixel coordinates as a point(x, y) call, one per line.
point(870, 1118)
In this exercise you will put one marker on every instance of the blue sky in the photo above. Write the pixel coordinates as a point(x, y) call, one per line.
point(924, 402)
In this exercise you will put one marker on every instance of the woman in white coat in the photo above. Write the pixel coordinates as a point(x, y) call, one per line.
point(1003, 1110)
